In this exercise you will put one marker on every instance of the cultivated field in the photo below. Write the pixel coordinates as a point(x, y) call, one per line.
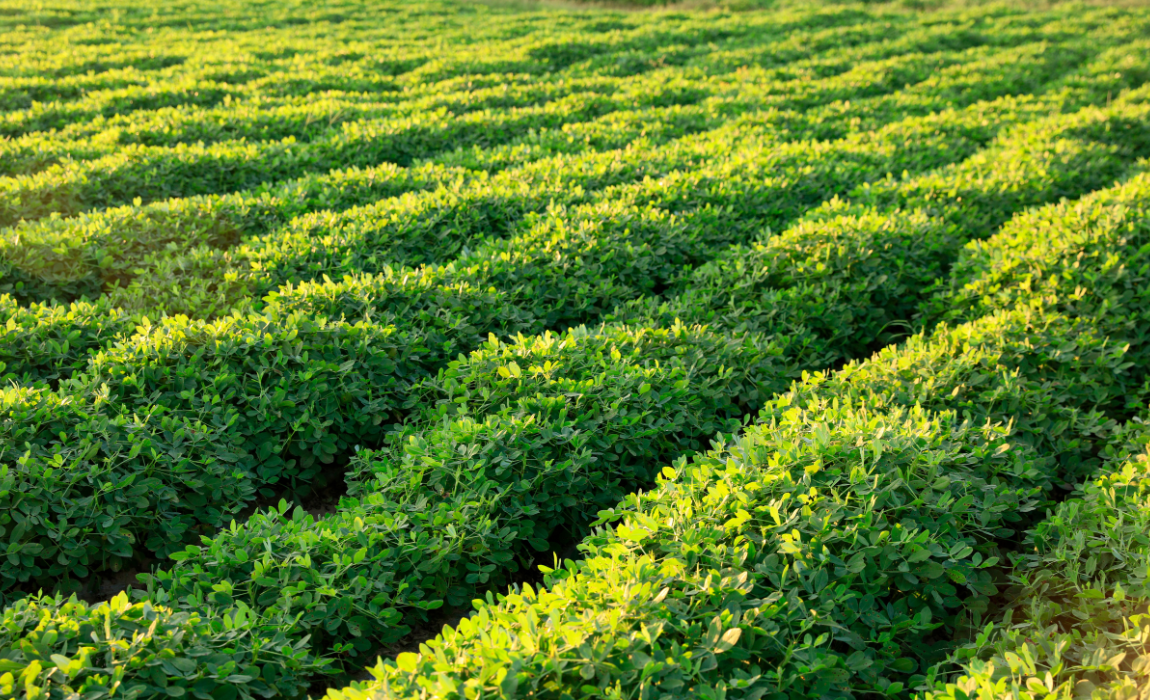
point(443, 350)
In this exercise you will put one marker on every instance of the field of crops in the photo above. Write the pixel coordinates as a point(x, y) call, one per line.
point(433, 349)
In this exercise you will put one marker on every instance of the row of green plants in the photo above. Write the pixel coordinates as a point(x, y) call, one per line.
point(128, 435)
point(68, 258)
point(224, 594)
point(1073, 622)
point(848, 297)
point(46, 342)
point(135, 170)
point(257, 108)
point(1076, 624)
point(721, 197)
point(843, 542)
point(1013, 456)
point(404, 325)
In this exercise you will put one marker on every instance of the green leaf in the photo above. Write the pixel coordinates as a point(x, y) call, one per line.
point(728, 640)
point(407, 661)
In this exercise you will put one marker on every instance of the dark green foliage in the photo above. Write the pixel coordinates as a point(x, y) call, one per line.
point(283, 394)
point(723, 577)
point(1075, 624)
point(451, 318)
point(836, 283)
point(86, 488)
point(570, 251)
point(527, 441)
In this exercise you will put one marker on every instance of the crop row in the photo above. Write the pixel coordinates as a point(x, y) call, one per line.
point(222, 591)
point(47, 343)
point(1076, 625)
point(541, 294)
point(136, 171)
point(140, 114)
point(673, 216)
point(43, 257)
point(1052, 387)
point(1075, 153)
point(727, 203)
point(861, 517)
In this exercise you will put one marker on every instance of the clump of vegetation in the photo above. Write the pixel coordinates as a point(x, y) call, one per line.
point(805, 351)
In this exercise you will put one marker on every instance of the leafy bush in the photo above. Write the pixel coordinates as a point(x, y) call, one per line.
point(86, 489)
point(524, 442)
point(414, 320)
point(53, 648)
point(283, 395)
point(1075, 624)
point(795, 561)
point(49, 342)
point(1056, 252)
